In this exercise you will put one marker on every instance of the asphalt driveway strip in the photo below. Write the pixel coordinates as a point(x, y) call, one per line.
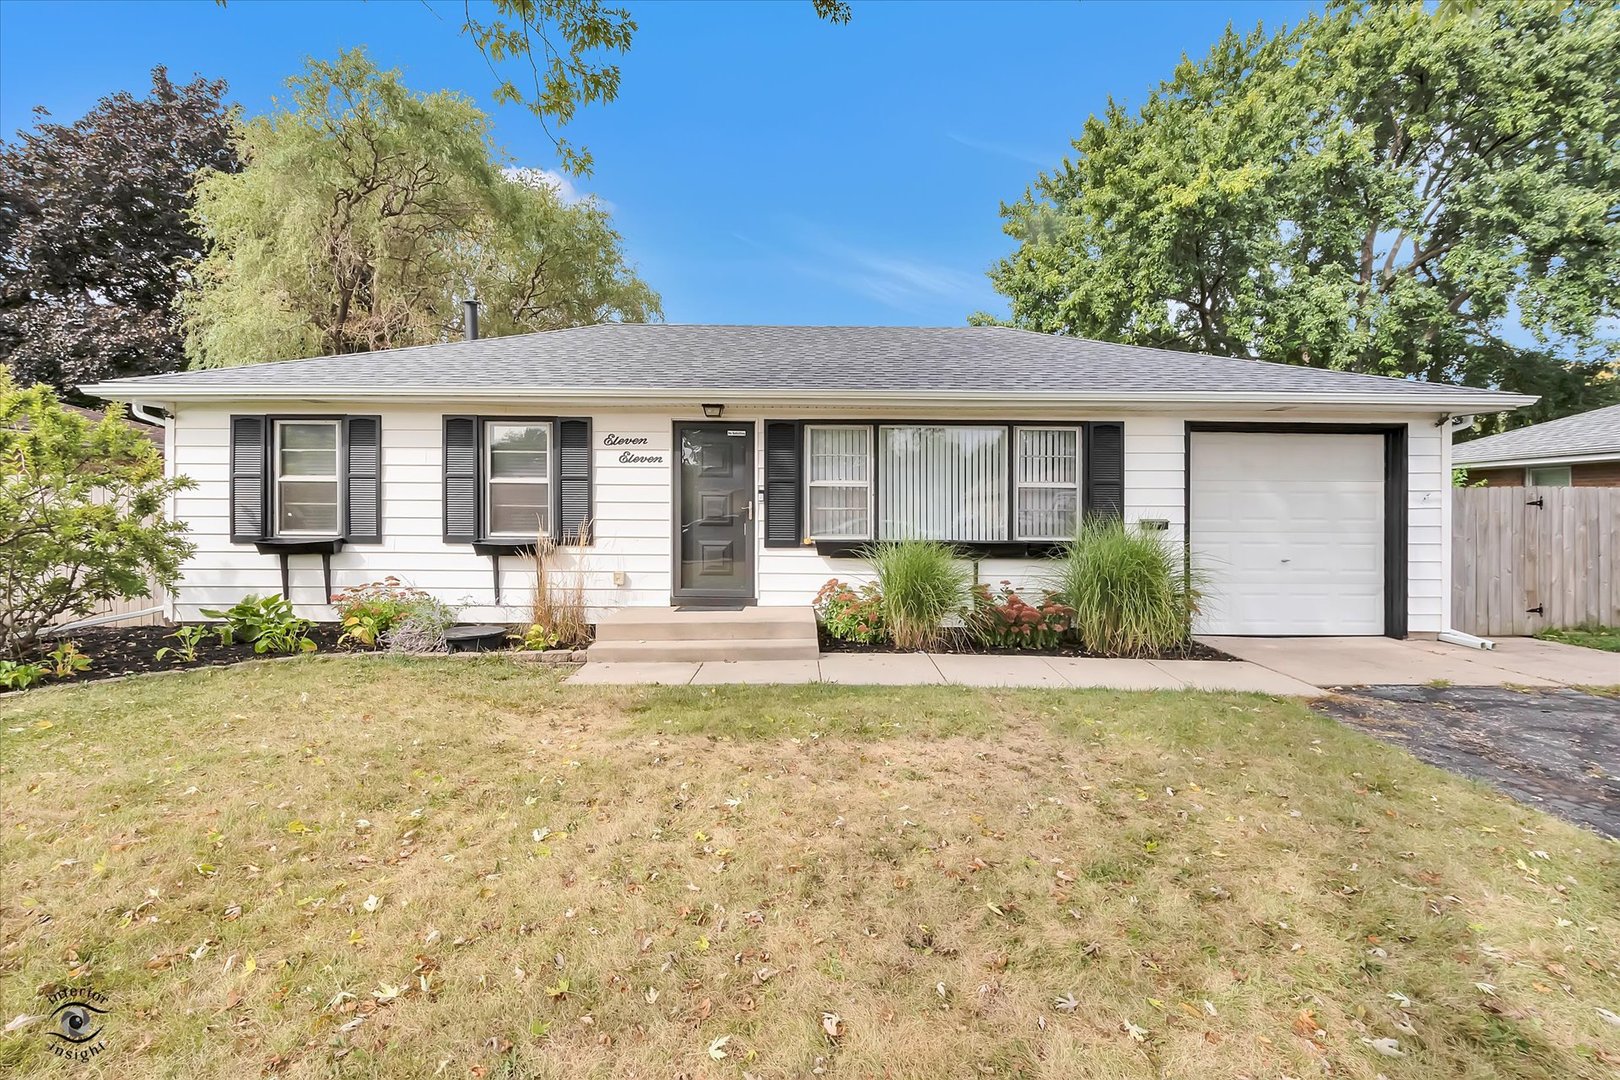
point(1558, 750)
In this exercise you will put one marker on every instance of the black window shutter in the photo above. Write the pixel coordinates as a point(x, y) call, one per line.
point(248, 488)
point(364, 442)
point(782, 488)
point(461, 479)
point(573, 480)
point(1104, 465)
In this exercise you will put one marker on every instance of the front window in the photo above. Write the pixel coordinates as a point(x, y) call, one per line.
point(306, 489)
point(838, 481)
point(1048, 483)
point(962, 483)
point(517, 466)
point(1548, 476)
point(939, 482)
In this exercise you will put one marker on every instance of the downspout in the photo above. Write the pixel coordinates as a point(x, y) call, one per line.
point(1450, 636)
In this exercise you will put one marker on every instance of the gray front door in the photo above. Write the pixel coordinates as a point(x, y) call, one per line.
point(714, 513)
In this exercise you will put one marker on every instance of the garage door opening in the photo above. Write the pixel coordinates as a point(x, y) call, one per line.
point(1299, 529)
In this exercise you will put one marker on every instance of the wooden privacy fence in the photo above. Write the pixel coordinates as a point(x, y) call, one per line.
point(1527, 558)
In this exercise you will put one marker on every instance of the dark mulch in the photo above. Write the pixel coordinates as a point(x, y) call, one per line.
point(132, 650)
point(962, 643)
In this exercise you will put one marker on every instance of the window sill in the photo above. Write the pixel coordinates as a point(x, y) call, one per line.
point(1018, 549)
point(503, 547)
point(299, 545)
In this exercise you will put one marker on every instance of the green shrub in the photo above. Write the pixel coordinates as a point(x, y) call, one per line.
point(922, 583)
point(267, 621)
point(1131, 593)
point(851, 614)
point(16, 676)
point(1005, 620)
point(81, 514)
point(66, 660)
point(189, 637)
point(367, 612)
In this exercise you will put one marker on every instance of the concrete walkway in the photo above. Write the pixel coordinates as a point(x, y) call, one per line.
point(1377, 661)
point(922, 669)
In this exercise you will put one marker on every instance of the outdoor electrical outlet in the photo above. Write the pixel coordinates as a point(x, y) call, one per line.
point(618, 577)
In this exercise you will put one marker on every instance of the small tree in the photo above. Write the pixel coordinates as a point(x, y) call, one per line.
point(81, 514)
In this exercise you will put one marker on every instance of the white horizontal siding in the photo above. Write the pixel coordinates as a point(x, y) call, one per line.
point(632, 514)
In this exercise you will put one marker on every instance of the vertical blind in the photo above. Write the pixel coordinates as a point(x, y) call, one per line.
point(942, 483)
point(1048, 483)
point(838, 481)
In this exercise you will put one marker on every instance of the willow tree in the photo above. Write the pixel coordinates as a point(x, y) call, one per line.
point(363, 213)
point(1379, 189)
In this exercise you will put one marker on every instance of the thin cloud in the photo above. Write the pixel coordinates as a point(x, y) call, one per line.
point(984, 146)
point(897, 280)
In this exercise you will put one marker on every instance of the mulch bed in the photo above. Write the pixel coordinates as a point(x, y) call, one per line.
point(115, 651)
point(962, 643)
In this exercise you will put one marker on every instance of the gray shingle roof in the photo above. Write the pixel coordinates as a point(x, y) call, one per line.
point(1588, 434)
point(739, 360)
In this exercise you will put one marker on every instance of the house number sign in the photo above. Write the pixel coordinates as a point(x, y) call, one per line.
point(633, 452)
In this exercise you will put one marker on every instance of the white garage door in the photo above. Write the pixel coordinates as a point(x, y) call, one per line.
point(1289, 529)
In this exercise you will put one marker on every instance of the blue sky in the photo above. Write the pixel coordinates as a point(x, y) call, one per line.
point(763, 166)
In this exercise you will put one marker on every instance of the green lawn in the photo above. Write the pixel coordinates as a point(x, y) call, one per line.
point(1606, 638)
point(331, 868)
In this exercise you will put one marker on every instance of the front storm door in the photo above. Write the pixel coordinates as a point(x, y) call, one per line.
point(714, 513)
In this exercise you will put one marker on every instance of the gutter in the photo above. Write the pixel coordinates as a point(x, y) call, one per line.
point(1536, 462)
point(1481, 401)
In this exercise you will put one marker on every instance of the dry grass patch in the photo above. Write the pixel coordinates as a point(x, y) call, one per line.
point(419, 869)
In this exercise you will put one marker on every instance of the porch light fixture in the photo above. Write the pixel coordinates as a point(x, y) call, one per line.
point(713, 411)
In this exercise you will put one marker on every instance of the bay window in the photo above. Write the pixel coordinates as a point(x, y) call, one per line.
point(963, 483)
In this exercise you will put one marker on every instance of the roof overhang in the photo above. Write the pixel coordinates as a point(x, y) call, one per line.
point(1429, 401)
point(1536, 461)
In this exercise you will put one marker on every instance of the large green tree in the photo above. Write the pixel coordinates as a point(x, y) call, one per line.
point(95, 237)
point(562, 52)
point(1379, 189)
point(366, 211)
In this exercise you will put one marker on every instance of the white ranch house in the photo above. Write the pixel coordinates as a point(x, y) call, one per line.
point(746, 465)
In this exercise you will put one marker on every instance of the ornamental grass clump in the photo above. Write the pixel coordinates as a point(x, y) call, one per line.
point(1129, 590)
point(922, 584)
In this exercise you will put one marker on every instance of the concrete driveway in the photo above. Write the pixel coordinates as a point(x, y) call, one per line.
point(1377, 661)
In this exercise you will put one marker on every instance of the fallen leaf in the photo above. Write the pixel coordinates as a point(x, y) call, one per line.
point(1609, 1017)
point(1387, 1047)
point(717, 1049)
point(832, 1024)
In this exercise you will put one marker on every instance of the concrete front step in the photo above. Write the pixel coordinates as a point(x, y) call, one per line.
point(748, 624)
point(700, 649)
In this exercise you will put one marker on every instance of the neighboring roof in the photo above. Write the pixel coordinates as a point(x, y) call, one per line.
point(1587, 435)
point(654, 361)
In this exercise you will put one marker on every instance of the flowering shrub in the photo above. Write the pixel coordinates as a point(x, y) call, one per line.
point(1006, 620)
point(850, 614)
point(367, 612)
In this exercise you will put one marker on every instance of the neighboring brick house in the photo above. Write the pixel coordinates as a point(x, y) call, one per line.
point(1577, 451)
